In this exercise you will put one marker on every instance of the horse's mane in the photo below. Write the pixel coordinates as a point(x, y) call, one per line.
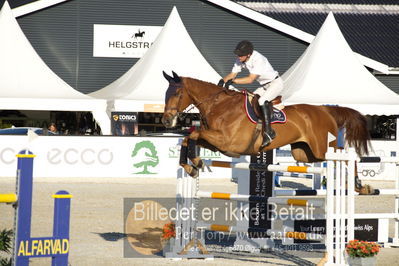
point(200, 84)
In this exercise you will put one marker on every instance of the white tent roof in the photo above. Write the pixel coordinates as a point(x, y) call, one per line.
point(328, 72)
point(144, 83)
point(27, 83)
point(251, 10)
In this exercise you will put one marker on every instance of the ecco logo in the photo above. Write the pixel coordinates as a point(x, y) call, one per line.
point(7, 156)
point(74, 156)
point(70, 156)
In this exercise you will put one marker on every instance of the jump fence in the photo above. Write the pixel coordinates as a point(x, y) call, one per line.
point(25, 246)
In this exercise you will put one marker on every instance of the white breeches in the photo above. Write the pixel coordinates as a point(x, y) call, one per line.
point(270, 91)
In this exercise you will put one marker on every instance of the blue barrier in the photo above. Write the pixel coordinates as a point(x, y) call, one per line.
point(25, 247)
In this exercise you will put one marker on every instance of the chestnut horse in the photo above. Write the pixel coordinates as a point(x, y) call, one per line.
point(225, 126)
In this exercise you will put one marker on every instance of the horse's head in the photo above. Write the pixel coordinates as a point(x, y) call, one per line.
point(176, 100)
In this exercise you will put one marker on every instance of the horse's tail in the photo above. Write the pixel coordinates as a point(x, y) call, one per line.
point(355, 124)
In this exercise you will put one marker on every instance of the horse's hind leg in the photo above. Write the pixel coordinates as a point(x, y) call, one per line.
point(302, 153)
point(186, 151)
point(362, 190)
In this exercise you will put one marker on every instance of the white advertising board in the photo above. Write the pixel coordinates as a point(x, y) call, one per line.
point(123, 40)
point(115, 156)
point(100, 156)
point(380, 171)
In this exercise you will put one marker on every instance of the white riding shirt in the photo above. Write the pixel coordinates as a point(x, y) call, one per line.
point(259, 65)
point(271, 84)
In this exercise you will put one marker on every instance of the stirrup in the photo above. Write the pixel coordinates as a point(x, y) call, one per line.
point(271, 134)
point(267, 139)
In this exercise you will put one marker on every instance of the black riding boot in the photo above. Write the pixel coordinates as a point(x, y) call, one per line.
point(268, 133)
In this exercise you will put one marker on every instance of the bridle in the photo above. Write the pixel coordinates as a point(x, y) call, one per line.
point(174, 88)
point(182, 114)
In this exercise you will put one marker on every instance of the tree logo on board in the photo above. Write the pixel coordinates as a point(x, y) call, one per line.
point(145, 155)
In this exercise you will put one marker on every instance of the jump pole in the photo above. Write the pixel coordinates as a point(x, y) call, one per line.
point(261, 170)
point(250, 198)
point(8, 198)
point(266, 167)
point(339, 210)
point(281, 156)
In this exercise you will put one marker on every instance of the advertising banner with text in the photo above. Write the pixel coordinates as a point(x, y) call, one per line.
point(83, 156)
point(123, 40)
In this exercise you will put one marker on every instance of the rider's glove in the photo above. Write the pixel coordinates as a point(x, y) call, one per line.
point(228, 83)
point(221, 83)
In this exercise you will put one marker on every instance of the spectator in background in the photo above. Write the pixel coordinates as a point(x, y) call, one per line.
point(53, 128)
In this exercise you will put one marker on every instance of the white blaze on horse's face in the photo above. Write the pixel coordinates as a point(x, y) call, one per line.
point(172, 122)
point(169, 118)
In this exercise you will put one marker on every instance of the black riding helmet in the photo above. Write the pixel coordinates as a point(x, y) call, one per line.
point(244, 48)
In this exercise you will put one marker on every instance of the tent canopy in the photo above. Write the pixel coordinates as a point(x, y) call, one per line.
point(27, 83)
point(328, 72)
point(173, 50)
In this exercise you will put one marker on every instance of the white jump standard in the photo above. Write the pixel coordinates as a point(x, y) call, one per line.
point(338, 215)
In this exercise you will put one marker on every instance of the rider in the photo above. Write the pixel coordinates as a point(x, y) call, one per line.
point(262, 71)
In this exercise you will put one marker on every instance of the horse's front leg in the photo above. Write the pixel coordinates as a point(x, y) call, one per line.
point(188, 150)
point(212, 137)
point(192, 151)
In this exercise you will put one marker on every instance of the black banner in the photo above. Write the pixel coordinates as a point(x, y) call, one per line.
point(261, 185)
point(365, 229)
point(124, 123)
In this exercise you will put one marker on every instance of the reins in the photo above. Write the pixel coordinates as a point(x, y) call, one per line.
point(202, 117)
point(209, 98)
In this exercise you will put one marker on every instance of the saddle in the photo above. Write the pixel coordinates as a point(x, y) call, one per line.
point(255, 103)
point(254, 112)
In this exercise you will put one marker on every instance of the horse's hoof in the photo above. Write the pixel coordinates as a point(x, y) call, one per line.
point(191, 170)
point(358, 183)
point(366, 190)
point(194, 173)
point(200, 164)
